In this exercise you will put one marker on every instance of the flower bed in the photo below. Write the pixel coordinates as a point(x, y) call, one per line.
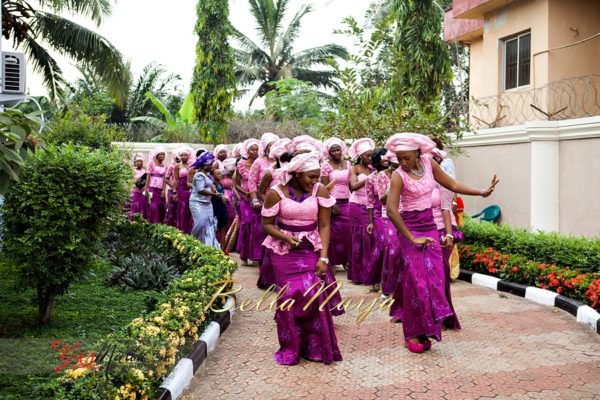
point(133, 363)
point(572, 283)
point(581, 253)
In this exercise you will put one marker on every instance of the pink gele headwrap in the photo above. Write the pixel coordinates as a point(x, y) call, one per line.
point(329, 143)
point(360, 147)
point(437, 153)
point(219, 148)
point(301, 163)
point(246, 146)
point(138, 156)
point(307, 143)
point(189, 151)
point(229, 164)
point(281, 146)
point(408, 141)
point(265, 140)
point(235, 153)
point(155, 152)
point(391, 157)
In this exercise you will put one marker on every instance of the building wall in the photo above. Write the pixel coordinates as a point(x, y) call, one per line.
point(570, 24)
point(511, 163)
point(580, 187)
point(486, 58)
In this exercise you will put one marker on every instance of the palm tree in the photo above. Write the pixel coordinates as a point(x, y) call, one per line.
point(275, 60)
point(33, 29)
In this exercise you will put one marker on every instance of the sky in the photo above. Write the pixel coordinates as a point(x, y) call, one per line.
point(161, 31)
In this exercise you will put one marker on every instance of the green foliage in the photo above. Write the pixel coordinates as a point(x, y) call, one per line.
point(420, 59)
point(32, 29)
point(368, 105)
point(79, 129)
point(17, 142)
point(213, 83)
point(547, 247)
point(135, 361)
point(57, 214)
point(87, 313)
point(275, 58)
point(295, 100)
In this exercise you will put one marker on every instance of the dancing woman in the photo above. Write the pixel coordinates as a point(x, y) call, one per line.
point(221, 153)
point(420, 299)
point(227, 242)
point(155, 186)
point(335, 170)
point(296, 219)
point(360, 239)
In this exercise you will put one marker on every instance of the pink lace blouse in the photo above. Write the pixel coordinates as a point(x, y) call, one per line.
point(441, 199)
point(244, 174)
point(157, 175)
point(371, 189)
point(416, 193)
point(290, 212)
point(360, 196)
point(341, 177)
point(257, 171)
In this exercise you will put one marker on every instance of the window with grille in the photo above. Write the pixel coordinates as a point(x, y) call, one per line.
point(517, 61)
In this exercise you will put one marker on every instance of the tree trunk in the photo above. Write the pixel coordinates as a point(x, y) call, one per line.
point(45, 303)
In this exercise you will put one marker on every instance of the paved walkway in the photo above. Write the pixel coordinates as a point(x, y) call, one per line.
point(509, 348)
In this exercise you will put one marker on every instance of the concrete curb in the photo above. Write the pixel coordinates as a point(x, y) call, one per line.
point(180, 377)
point(585, 314)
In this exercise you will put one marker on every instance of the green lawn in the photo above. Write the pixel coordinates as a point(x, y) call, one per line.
point(89, 311)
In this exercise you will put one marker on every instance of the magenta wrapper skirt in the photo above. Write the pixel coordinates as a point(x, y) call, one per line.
point(266, 275)
point(361, 245)
point(420, 296)
point(157, 208)
point(452, 321)
point(391, 257)
point(339, 244)
point(251, 233)
point(306, 333)
point(139, 204)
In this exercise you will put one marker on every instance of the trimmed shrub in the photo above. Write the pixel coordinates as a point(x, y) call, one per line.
point(133, 363)
point(545, 247)
point(57, 214)
point(83, 130)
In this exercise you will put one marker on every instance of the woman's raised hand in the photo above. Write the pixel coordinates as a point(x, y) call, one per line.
point(490, 189)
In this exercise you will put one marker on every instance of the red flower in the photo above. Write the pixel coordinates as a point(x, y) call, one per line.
point(559, 290)
point(515, 269)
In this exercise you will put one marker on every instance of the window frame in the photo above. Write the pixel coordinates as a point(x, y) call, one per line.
point(505, 41)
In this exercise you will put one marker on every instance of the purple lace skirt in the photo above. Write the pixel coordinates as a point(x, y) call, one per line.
point(251, 233)
point(303, 333)
point(139, 204)
point(339, 244)
point(420, 296)
point(157, 208)
point(391, 257)
point(361, 245)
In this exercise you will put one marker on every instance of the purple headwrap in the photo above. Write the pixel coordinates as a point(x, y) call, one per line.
point(205, 159)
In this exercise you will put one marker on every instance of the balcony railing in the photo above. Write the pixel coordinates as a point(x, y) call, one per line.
point(565, 99)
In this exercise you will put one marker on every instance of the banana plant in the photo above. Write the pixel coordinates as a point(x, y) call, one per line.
point(178, 127)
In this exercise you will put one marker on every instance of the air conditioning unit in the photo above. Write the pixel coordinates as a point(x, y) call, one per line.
point(13, 73)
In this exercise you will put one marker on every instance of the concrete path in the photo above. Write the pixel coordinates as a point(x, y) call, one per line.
point(509, 348)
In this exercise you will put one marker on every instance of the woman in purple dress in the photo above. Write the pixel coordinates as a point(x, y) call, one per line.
point(360, 239)
point(336, 171)
point(296, 218)
point(155, 186)
point(139, 203)
point(227, 181)
point(420, 299)
point(181, 191)
point(249, 248)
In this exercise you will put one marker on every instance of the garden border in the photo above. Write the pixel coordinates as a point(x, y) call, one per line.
point(584, 314)
point(180, 377)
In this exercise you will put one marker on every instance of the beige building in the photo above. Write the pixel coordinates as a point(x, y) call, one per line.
point(535, 102)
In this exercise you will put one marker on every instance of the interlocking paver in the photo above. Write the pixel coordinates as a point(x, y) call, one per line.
point(509, 348)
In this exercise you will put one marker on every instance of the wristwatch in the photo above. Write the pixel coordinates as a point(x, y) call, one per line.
point(324, 260)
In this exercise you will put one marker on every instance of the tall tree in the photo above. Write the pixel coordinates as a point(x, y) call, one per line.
point(213, 84)
point(421, 63)
point(32, 27)
point(276, 60)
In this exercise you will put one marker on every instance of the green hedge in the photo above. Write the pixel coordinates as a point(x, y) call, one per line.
point(551, 248)
point(134, 362)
